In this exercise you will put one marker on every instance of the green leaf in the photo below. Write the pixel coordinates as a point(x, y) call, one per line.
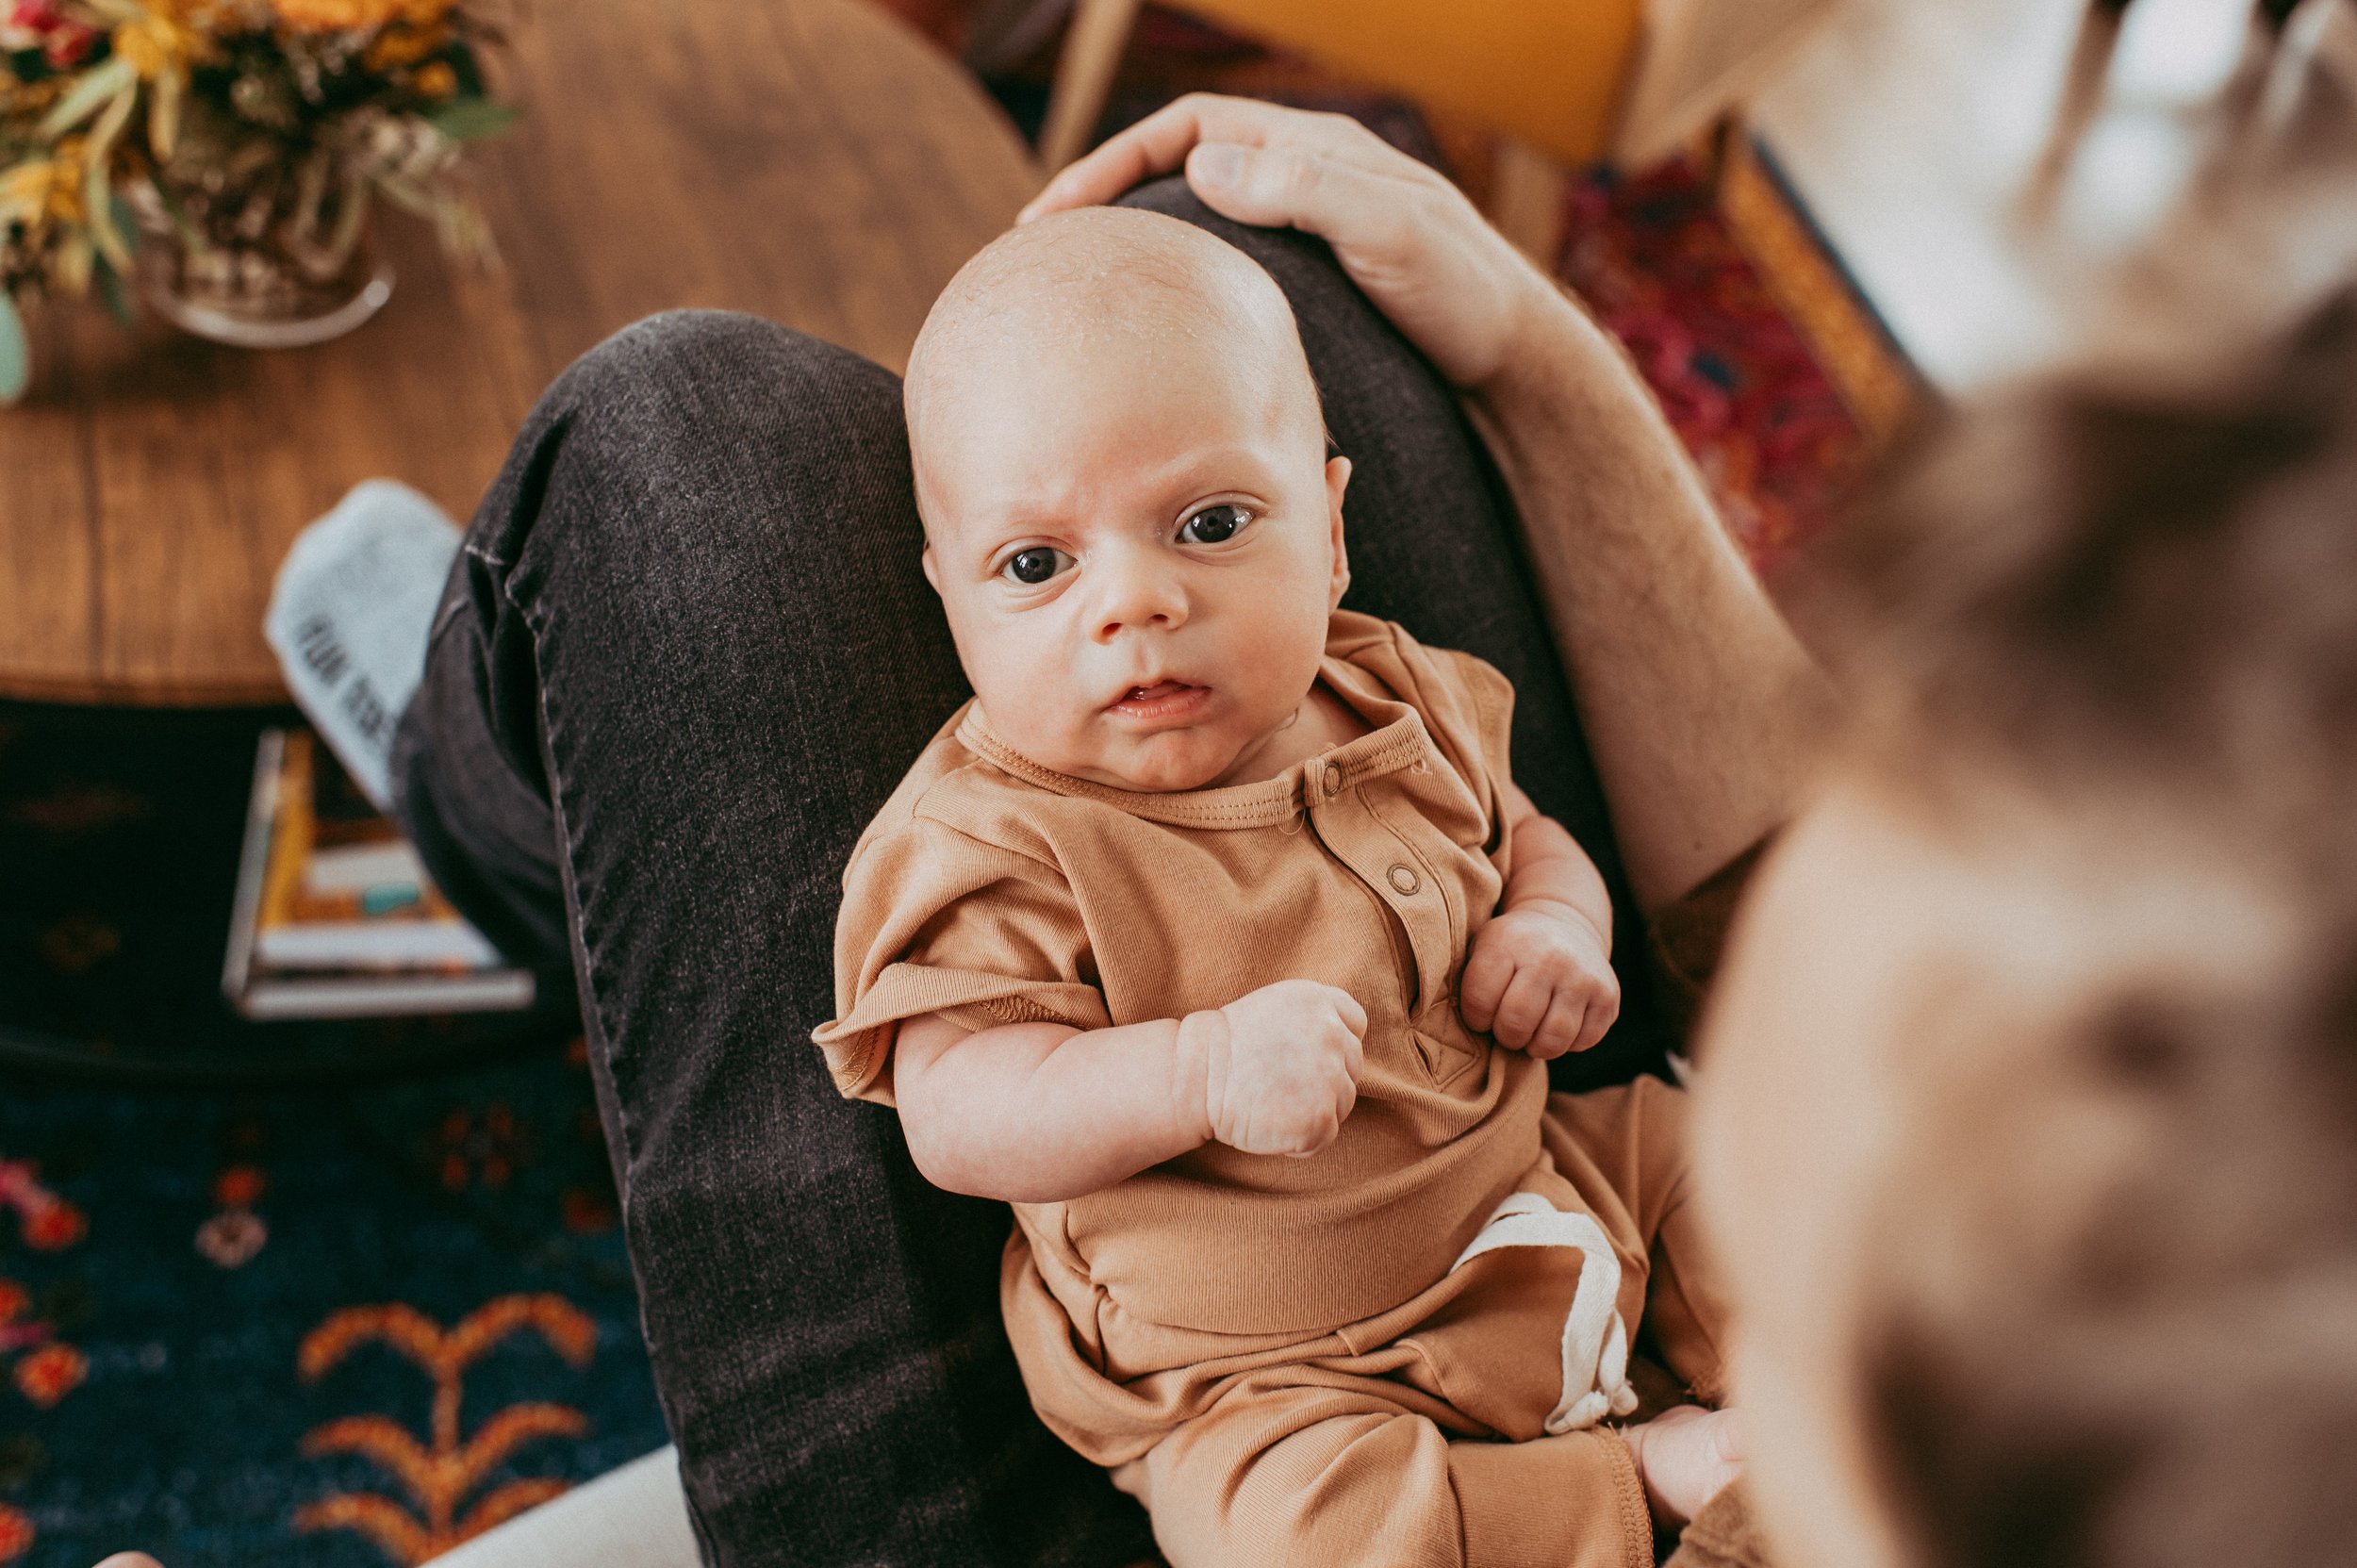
point(113, 292)
point(16, 355)
point(163, 113)
point(126, 219)
point(95, 88)
point(472, 118)
point(97, 188)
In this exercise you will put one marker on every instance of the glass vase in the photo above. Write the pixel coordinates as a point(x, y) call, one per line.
point(258, 293)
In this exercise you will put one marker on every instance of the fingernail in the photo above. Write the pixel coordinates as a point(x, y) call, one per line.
point(1216, 165)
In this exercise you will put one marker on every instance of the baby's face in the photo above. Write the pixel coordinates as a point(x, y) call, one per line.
point(1137, 537)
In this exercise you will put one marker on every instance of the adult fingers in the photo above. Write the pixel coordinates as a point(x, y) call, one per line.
point(1161, 142)
point(1355, 207)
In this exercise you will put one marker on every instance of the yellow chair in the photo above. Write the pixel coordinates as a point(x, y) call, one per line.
point(1574, 80)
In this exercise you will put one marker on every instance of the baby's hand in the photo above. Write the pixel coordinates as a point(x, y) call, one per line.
point(1540, 979)
point(1281, 1066)
point(1684, 1456)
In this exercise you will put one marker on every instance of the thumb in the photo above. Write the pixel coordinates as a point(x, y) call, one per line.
point(1278, 188)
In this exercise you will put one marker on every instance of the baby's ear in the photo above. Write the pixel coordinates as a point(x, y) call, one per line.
point(933, 572)
point(1336, 481)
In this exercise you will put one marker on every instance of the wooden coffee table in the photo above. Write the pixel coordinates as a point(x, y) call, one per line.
point(810, 160)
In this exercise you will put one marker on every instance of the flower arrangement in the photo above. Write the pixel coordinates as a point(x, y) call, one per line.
point(245, 136)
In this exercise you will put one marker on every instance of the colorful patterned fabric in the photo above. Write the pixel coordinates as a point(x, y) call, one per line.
point(333, 1327)
point(1656, 261)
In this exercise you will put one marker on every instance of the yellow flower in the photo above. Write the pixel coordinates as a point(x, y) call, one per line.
point(153, 45)
point(65, 182)
point(25, 190)
point(44, 190)
point(330, 16)
point(437, 80)
point(404, 46)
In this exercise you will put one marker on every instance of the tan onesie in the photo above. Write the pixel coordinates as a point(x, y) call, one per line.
point(1396, 1351)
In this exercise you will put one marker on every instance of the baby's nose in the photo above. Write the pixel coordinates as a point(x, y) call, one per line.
point(1139, 596)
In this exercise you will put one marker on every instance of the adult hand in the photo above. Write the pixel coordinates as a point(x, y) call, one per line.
point(1409, 239)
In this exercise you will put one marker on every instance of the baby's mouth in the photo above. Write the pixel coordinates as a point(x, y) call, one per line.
point(1161, 700)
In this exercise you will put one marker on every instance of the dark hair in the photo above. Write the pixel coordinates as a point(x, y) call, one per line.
point(2117, 576)
point(2112, 1295)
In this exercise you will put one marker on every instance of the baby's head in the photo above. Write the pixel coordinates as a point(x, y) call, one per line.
point(1129, 510)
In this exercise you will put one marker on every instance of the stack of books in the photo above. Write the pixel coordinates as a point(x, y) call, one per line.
point(334, 915)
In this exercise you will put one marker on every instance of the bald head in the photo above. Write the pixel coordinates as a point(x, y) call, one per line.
point(1105, 294)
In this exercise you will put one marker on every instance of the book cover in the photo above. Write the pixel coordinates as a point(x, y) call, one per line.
point(336, 917)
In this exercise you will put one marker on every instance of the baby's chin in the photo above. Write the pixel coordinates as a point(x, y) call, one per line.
point(1161, 764)
point(1156, 774)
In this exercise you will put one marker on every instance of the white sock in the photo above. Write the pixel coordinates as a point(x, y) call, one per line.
point(348, 619)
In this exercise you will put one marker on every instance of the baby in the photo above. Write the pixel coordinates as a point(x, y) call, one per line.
point(1215, 937)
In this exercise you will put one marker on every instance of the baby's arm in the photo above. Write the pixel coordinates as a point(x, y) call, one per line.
point(1041, 1113)
point(1540, 975)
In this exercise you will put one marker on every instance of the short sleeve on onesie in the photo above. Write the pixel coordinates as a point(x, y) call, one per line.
point(936, 920)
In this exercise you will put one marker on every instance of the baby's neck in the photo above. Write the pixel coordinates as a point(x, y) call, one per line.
point(1324, 721)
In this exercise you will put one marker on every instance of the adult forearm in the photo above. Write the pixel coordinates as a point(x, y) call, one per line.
point(1042, 1113)
point(1702, 710)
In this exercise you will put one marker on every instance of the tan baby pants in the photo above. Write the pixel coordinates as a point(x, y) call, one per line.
point(1426, 1447)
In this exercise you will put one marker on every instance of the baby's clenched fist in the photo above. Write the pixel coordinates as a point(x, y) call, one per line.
point(1540, 979)
point(1281, 1066)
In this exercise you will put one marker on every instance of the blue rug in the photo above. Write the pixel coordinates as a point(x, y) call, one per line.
point(331, 1327)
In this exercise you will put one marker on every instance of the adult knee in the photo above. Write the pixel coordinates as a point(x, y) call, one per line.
point(707, 378)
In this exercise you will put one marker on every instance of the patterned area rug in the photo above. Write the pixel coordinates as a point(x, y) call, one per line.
point(334, 1328)
point(349, 1326)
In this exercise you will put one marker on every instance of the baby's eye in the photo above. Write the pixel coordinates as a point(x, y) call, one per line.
point(1213, 524)
point(1034, 566)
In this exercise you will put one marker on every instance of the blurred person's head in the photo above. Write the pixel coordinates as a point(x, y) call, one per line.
point(2030, 1111)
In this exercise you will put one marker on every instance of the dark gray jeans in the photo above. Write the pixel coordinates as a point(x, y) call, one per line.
point(684, 656)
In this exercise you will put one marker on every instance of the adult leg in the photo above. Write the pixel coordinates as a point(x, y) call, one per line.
point(685, 654)
point(1434, 545)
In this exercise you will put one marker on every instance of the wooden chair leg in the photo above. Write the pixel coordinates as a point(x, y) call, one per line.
point(1527, 189)
point(2082, 97)
point(1084, 75)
